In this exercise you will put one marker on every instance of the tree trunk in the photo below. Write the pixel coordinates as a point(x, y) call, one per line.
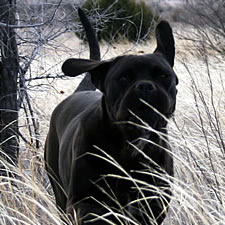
point(9, 69)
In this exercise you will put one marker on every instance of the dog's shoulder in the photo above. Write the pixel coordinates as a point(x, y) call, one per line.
point(73, 106)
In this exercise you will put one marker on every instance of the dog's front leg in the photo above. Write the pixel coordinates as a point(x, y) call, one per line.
point(92, 213)
point(149, 205)
point(88, 211)
point(82, 203)
point(79, 185)
point(86, 203)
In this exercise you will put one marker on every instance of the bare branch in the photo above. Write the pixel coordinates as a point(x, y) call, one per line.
point(32, 25)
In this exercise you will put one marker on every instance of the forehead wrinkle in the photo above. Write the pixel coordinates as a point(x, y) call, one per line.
point(135, 64)
point(153, 66)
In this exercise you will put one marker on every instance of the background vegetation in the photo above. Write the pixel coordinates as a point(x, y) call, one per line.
point(124, 19)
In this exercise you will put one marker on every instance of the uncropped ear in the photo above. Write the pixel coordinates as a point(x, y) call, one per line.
point(165, 41)
point(74, 67)
point(98, 69)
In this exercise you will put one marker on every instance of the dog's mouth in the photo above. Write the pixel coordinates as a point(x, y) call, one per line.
point(137, 115)
point(141, 125)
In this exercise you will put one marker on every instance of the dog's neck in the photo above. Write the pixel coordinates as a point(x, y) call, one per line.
point(125, 149)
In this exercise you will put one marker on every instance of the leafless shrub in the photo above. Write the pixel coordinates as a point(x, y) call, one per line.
point(37, 28)
point(206, 19)
point(199, 149)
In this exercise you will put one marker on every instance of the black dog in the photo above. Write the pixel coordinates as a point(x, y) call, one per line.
point(90, 151)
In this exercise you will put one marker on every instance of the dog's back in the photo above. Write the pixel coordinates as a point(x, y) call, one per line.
point(66, 111)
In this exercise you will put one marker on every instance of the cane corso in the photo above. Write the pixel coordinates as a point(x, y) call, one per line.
point(107, 152)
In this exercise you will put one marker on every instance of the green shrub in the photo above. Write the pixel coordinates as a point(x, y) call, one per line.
point(119, 19)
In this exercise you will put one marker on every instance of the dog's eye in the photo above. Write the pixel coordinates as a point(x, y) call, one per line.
point(124, 79)
point(164, 76)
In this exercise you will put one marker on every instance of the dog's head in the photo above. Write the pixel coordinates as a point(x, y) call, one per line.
point(135, 86)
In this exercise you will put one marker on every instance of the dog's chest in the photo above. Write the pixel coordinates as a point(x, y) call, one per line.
point(128, 157)
point(112, 157)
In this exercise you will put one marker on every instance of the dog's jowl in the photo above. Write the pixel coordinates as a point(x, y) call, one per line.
point(107, 153)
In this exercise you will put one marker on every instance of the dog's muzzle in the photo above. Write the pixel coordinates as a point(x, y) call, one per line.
point(149, 96)
point(144, 89)
point(144, 92)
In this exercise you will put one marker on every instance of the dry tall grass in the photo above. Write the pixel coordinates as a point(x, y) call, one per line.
point(196, 135)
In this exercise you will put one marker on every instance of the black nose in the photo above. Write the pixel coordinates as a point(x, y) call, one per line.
point(145, 88)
